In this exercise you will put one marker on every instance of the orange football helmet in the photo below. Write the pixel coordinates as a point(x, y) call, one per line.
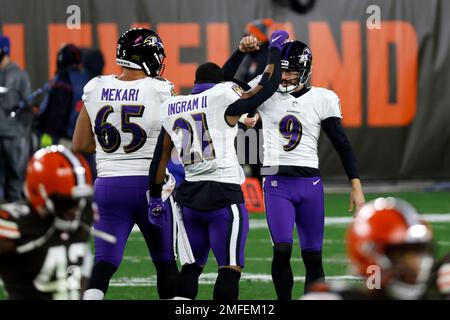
point(59, 181)
point(386, 233)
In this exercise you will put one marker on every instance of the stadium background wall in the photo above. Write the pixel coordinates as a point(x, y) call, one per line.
point(393, 81)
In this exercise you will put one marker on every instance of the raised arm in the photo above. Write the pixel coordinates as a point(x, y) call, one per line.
point(266, 87)
point(231, 66)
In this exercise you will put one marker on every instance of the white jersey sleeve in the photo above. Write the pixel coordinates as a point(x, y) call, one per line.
point(88, 89)
point(163, 89)
point(331, 105)
point(234, 94)
point(253, 83)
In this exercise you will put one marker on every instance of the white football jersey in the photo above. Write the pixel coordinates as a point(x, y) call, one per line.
point(291, 126)
point(126, 122)
point(203, 139)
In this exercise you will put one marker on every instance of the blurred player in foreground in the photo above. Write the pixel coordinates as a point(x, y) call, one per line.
point(391, 248)
point(44, 249)
point(120, 121)
point(202, 127)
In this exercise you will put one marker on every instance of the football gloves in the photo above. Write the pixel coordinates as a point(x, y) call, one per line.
point(156, 212)
point(278, 38)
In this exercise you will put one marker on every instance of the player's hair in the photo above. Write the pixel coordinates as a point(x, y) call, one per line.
point(209, 72)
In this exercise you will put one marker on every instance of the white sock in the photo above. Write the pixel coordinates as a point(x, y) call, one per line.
point(93, 294)
point(180, 298)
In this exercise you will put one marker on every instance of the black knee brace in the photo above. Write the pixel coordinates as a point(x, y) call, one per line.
point(167, 274)
point(282, 276)
point(282, 252)
point(313, 266)
point(102, 272)
point(227, 284)
point(187, 284)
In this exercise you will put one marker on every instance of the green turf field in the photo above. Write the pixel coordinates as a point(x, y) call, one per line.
point(135, 278)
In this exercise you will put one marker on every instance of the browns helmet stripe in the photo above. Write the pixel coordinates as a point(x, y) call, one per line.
point(80, 175)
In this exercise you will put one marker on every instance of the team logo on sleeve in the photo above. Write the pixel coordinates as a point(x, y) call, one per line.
point(236, 88)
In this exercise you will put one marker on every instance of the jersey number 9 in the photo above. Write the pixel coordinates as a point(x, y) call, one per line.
point(290, 128)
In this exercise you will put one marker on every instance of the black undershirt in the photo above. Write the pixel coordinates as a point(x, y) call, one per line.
point(300, 92)
point(208, 195)
point(293, 171)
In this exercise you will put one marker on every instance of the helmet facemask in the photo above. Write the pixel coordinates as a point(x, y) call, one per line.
point(68, 211)
point(410, 269)
point(291, 85)
point(162, 66)
point(154, 65)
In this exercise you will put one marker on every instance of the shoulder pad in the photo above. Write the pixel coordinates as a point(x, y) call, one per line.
point(160, 78)
point(237, 88)
point(92, 84)
point(329, 94)
point(9, 214)
point(15, 210)
point(161, 83)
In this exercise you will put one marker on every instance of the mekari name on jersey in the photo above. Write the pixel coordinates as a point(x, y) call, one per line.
point(126, 122)
point(291, 126)
point(203, 139)
point(111, 94)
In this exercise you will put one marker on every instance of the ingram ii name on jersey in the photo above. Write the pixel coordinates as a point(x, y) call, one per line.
point(204, 140)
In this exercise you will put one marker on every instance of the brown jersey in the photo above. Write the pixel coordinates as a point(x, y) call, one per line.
point(44, 263)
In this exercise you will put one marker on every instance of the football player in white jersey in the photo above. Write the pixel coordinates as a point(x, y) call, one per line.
point(202, 127)
point(120, 121)
point(292, 119)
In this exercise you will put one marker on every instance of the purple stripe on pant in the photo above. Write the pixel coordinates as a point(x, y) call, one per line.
point(121, 203)
point(223, 230)
point(299, 201)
